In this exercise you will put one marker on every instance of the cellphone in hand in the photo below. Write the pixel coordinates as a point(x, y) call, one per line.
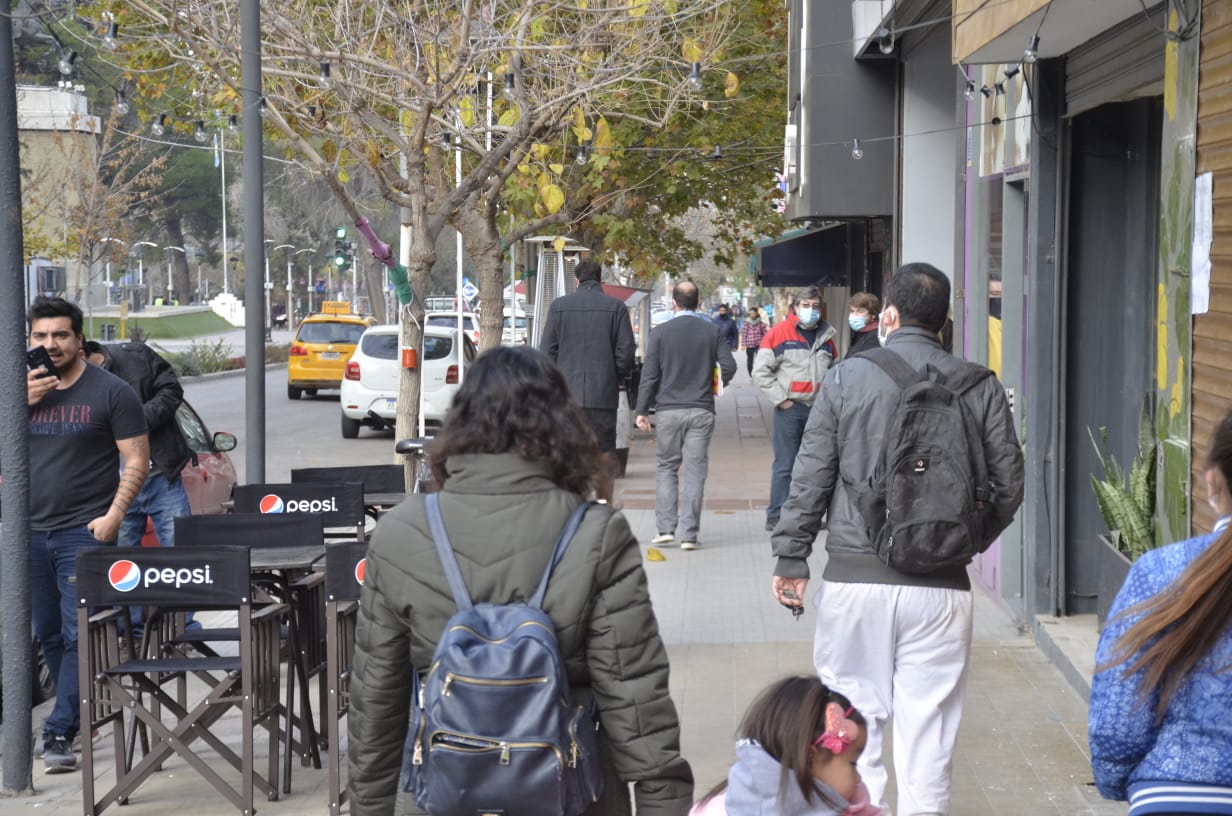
point(798, 610)
point(38, 356)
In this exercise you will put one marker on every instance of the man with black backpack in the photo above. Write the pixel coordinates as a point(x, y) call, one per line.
point(913, 454)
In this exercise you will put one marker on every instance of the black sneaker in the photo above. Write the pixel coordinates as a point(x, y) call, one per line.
point(58, 756)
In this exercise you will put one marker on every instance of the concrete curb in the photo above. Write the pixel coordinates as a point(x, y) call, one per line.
point(222, 375)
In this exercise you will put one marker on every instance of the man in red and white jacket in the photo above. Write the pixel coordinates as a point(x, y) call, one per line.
point(794, 357)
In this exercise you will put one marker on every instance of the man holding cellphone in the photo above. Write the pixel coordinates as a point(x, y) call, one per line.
point(81, 420)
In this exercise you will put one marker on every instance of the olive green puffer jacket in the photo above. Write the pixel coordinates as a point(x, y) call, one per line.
point(503, 515)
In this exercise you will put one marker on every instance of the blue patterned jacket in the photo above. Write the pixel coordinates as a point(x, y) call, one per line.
point(1193, 744)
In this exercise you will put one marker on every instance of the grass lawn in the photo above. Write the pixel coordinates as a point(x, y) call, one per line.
point(169, 326)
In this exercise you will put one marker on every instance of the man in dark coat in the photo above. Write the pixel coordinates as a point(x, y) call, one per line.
point(589, 337)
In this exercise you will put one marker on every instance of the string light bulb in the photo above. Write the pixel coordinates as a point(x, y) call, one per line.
point(199, 132)
point(1000, 86)
point(1031, 54)
point(582, 155)
point(159, 126)
point(1011, 72)
point(67, 58)
point(121, 103)
point(885, 40)
point(984, 89)
point(969, 91)
point(510, 88)
point(857, 151)
point(717, 155)
point(695, 77)
point(112, 34)
point(323, 78)
point(233, 123)
point(262, 109)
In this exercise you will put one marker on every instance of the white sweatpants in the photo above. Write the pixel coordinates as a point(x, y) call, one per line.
point(901, 653)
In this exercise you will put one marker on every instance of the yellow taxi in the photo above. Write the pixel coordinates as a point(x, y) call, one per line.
point(323, 344)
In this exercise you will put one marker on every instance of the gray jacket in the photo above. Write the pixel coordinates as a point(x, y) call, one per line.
point(589, 337)
point(841, 444)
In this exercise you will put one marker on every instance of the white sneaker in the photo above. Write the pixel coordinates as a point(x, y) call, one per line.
point(663, 538)
point(690, 545)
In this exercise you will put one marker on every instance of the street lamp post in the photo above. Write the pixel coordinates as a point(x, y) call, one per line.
point(108, 263)
point(167, 268)
point(286, 311)
point(141, 262)
point(311, 287)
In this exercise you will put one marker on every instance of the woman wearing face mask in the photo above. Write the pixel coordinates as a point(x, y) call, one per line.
point(862, 312)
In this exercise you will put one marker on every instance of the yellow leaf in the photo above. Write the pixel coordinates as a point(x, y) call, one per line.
point(553, 198)
point(653, 554)
point(466, 110)
point(343, 175)
point(543, 181)
point(559, 243)
point(539, 210)
point(579, 117)
point(603, 136)
point(540, 151)
point(638, 8)
point(556, 168)
point(524, 168)
point(691, 50)
point(731, 85)
point(509, 118)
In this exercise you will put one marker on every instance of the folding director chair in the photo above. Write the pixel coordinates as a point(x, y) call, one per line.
point(285, 548)
point(340, 504)
point(344, 575)
point(169, 581)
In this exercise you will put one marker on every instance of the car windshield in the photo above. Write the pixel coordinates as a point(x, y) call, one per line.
point(383, 346)
point(436, 348)
point(329, 332)
point(451, 320)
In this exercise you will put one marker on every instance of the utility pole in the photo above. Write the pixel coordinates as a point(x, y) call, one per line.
point(14, 442)
point(252, 98)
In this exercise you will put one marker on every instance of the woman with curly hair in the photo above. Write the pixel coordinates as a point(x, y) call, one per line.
point(514, 458)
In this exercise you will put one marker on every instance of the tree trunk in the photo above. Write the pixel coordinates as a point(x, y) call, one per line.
point(483, 245)
point(419, 270)
point(376, 293)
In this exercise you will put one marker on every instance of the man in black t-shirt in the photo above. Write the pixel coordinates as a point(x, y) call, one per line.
point(89, 454)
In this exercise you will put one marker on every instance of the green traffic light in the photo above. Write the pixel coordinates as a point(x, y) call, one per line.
point(340, 260)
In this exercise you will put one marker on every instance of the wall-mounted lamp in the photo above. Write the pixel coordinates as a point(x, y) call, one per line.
point(885, 40)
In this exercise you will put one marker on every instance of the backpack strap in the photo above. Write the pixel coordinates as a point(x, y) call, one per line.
point(562, 543)
point(444, 550)
point(894, 366)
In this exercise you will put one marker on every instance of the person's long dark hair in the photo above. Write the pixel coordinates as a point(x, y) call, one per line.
point(1181, 624)
point(515, 399)
point(786, 719)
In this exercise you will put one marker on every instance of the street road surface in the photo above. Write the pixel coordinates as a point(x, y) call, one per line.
point(298, 433)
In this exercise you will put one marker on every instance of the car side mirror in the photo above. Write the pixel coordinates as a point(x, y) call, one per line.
point(224, 441)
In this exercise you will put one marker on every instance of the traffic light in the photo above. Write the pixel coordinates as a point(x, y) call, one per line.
point(340, 249)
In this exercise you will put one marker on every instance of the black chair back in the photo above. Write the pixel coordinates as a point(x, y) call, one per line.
point(375, 478)
point(341, 504)
point(190, 578)
point(345, 564)
point(250, 530)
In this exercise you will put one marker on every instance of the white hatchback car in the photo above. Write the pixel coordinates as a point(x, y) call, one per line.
point(470, 322)
point(369, 393)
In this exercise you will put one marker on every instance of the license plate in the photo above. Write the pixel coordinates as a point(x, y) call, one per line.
point(391, 405)
point(329, 355)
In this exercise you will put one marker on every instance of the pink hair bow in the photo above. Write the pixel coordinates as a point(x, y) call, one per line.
point(840, 732)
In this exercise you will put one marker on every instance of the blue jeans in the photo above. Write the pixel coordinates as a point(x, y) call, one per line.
point(53, 601)
point(163, 501)
point(788, 432)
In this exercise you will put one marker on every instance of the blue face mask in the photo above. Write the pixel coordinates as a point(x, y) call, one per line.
point(808, 317)
point(856, 322)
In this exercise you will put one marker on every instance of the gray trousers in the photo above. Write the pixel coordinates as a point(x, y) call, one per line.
point(682, 436)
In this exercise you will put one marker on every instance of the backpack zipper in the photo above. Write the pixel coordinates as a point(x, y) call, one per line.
point(506, 637)
point(505, 748)
point(480, 681)
point(417, 751)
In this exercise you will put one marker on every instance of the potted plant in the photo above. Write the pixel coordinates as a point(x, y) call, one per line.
point(1127, 502)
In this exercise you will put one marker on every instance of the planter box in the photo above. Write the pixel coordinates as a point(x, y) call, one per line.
point(1113, 567)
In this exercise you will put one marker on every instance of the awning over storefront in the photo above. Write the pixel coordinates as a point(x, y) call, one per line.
point(803, 257)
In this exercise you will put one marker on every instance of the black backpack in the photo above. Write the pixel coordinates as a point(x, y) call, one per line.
point(927, 505)
point(493, 726)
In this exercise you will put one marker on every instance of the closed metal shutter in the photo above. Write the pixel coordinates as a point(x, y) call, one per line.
point(1125, 62)
point(1212, 332)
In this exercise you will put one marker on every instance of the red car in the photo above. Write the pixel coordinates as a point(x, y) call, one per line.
point(208, 482)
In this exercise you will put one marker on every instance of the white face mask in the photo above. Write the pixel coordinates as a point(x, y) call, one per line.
point(882, 336)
